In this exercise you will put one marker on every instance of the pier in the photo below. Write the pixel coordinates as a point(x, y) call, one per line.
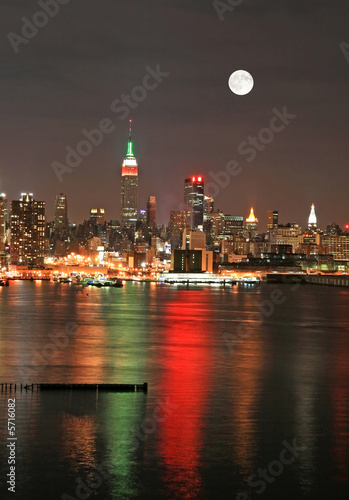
point(341, 280)
point(329, 280)
point(77, 387)
point(286, 278)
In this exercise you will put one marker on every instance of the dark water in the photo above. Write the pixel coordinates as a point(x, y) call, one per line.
point(236, 378)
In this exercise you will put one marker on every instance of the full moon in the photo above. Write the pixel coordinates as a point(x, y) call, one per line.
point(241, 82)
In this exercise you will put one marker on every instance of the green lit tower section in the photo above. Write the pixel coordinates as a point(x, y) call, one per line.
point(129, 185)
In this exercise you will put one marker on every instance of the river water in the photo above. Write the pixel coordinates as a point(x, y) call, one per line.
point(248, 391)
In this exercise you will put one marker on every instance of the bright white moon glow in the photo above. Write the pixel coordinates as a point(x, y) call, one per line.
point(241, 82)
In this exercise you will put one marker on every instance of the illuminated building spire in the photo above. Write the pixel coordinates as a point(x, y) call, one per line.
point(312, 221)
point(252, 224)
point(129, 185)
point(129, 153)
point(252, 217)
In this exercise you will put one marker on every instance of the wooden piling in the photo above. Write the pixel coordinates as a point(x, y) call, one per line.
point(96, 387)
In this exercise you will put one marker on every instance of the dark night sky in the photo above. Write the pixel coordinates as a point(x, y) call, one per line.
point(91, 52)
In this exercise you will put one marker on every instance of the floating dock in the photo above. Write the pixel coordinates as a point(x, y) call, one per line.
point(78, 387)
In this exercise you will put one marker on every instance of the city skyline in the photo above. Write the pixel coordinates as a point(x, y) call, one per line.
point(261, 220)
point(190, 121)
point(194, 193)
point(212, 180)
point(98, 214)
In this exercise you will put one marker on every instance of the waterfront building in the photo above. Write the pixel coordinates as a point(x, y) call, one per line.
point(186, 261)
point(136, 260)
point(129, 185)
point(335, 244)
point(192, 261)
point(27, 231)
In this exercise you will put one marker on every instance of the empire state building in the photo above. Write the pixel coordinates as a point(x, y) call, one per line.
point(129, 185)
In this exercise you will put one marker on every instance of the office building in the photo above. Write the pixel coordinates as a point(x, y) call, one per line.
point(151, 210)
point(336, 245)
point(97, 216)
point(272, 219)
point(129, 185)
point(208, 207)
point(27, 231)
point(142, 216)
point(194, 199)
point(217, 223)
point(233, 224)
point(193, 240)
point(179, 220)
point(252, 224)
point(288, 234)
point(3, 221)
point(61, 213)
point(191, 261)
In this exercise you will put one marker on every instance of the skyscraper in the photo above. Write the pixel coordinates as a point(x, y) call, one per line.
point(179, 220)
point(3, 221)
point(151, 210)
point(129, 185)
point(194, 199)
point(3, 217)
point(312, 220)
point(97, 216)
point(61, 213)
point(27, 231)
point(208, 207)
point(252, 223)
point(142, 216)
point(272, 219)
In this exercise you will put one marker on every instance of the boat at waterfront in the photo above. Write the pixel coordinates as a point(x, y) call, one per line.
point(64, 279)
point(196, 278)
point(249, 280)
point(100, 283)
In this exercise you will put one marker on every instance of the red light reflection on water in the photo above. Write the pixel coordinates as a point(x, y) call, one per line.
point(186, 379)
